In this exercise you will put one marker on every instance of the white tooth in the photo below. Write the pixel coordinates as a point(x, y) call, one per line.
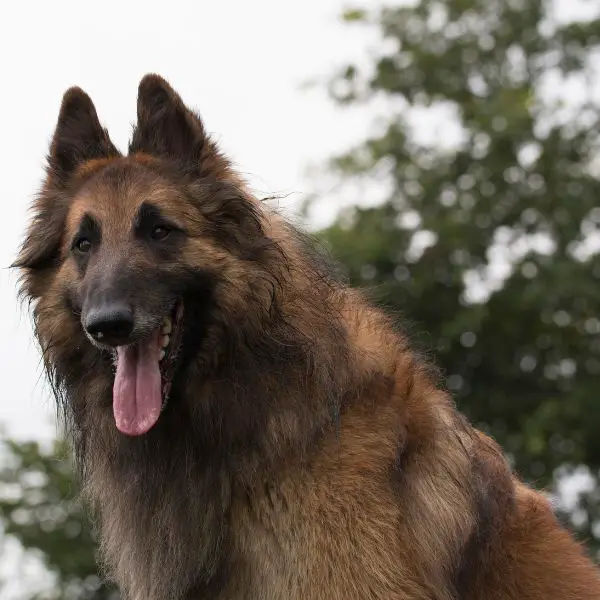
point(167, 326)
point(161, 355)
point(165, 341)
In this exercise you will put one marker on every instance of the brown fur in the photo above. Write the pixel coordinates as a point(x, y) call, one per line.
point(306, 451)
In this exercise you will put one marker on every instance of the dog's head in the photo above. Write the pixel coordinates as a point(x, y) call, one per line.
point(136, 264)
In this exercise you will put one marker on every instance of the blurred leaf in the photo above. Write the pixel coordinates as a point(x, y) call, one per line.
point(354, 15)
point(39, 507)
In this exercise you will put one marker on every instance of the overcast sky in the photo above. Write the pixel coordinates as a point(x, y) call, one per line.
point(241, 63)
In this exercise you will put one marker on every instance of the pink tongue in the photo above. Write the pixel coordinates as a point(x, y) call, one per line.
point(137, 396)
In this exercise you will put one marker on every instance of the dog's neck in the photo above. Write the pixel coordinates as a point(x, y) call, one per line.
point(171, 489)
point(160, 494)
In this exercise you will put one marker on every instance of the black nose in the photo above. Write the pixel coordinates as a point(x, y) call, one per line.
point(110, 324)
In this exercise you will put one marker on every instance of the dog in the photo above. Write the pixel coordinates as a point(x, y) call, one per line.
point(245, 425)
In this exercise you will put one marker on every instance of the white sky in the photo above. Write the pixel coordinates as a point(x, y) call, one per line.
point(240, 63)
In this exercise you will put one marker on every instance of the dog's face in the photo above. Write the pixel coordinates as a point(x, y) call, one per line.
point(132, 250)
point(135, 260)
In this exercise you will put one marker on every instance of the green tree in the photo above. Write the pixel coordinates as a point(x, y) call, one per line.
point(38, 506)
point(486, 236)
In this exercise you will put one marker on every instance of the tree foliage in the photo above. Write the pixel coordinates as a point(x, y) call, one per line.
point(488, 235)
point(39, 507)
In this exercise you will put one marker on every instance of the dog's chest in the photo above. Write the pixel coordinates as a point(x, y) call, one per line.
point(294, 543)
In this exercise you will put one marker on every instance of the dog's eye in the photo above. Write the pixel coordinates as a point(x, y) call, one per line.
point(160, 232)
point(83, 245)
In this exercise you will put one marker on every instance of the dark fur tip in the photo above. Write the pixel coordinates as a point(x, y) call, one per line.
point(154, 93)
point(76, 102)
point(78, 137)
point(166, 127)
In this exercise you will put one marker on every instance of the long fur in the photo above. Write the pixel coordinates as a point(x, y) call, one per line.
point(306, 451)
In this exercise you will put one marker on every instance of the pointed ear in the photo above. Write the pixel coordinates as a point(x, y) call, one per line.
point(165, 127)
point(78, 136)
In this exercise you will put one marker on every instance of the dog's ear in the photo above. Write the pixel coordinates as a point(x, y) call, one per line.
point(166, 127)
point(78, 137)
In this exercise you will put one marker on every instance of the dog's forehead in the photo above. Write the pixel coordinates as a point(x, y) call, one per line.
point(114, 194)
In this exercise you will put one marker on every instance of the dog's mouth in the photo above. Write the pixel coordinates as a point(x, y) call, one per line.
point(144, 375)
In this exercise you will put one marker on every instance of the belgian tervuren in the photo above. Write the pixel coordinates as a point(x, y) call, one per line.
point(246, 426)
